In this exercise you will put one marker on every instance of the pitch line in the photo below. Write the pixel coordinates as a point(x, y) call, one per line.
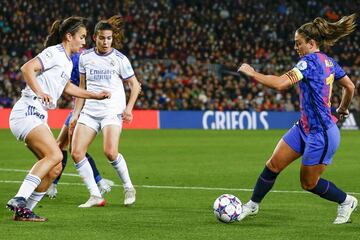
point(160, 187)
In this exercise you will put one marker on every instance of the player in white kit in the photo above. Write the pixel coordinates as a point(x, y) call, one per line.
point(104, 68)
point(47, 77)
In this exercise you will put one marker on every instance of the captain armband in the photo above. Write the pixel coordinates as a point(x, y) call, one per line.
point(294, 75)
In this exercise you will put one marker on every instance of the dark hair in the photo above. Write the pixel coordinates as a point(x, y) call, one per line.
point(60, 28)
point(115, 24)
point(326, 33)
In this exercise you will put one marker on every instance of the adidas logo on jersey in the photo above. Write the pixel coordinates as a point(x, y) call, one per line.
point(350, 123)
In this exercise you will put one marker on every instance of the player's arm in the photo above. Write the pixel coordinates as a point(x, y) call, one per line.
point(135, 88)
point(73, 90)
point(79, 102)
point(277, 82)
point(29, 70)
point(348, 89)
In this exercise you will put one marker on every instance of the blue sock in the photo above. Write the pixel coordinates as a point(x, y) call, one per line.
point(97, 175)
point(328, 190)
point(63, 163)
point(263, 185)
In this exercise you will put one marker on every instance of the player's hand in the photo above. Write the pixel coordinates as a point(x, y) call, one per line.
point(103, 95)
point(342, 113)
point(127, 116)
point(45, 99)
point(247, 69)
point(72, 124)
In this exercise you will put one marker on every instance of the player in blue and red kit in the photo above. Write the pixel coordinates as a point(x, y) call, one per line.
point(315, 136)
point(64, 138)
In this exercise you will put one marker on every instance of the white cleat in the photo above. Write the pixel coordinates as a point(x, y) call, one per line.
point(129, 198)
point(104, 186)
point(93, 201)
point(248, 209)
point(345, 209)
point(52, 191)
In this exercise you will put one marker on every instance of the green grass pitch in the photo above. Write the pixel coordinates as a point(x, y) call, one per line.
point(178, 174)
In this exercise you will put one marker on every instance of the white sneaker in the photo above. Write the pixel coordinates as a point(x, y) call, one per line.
point(93, 201)
point(248, 209)
point(104, 186)
point(52, 191)
point(129, 198)
point(345, 209)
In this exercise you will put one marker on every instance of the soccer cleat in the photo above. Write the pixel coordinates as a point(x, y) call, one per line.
point(345, 209)
point(104, 186)
point(248, 209)
point(25, 214)
point(129, 198)
point(52, 191)
point(93, 201)
point(16, 202)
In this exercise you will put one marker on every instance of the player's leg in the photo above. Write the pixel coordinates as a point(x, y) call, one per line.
point(40, 191)
point(63, 142)
point(103, 184)
point(287, 150)
point(111, 131)
point(41, 141)
point(318, 154)
point(84, 133)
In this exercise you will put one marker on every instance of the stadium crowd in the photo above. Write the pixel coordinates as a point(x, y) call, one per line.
point(186, 52)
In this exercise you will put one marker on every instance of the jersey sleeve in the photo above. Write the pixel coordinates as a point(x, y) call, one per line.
point(303, 69)
point(126, 70)
point(81, 64)
point(339, 72)
point(47, 58)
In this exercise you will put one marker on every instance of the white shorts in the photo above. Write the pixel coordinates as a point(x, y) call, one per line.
point(98, 123)
point(26, 115)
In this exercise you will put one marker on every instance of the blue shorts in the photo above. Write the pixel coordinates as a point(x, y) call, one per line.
point(67, 121)
point(316, 148)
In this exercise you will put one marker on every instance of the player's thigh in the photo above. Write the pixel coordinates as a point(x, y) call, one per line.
point(42, 142)
point(81, 139)
point(282, 156)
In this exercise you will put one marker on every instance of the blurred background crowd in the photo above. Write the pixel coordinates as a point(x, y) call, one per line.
point(186, 52)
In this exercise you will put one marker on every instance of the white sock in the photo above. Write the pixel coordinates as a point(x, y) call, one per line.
point(34, 199)
point(28, 186)
point(119, 165)
point(84, 169)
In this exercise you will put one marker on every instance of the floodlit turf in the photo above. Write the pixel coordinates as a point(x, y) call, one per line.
point(208, 160)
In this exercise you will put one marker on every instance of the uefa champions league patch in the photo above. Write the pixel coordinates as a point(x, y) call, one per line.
point(302, 65)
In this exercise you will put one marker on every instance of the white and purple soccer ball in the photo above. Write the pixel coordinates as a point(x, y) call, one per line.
point(227, 208)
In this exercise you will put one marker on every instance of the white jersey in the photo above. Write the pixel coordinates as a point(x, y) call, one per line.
point(56, 71)
point(105, 72)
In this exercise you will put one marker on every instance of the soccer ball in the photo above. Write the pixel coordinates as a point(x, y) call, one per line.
point(227, 208)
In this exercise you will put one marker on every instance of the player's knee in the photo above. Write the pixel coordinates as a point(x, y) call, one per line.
point(307, 184)
point(56, 157)
point(111, 154)
point(77, 155)
point(271, 164)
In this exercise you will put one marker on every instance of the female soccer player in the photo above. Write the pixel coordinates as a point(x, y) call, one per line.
point(64, 139)
point(47, 76)
point(104, 68)
point(315, 137)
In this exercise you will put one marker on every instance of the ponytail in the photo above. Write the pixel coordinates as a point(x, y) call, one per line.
point(117, 23)
point(54, 36)
point(326, 33)
point(60, 28)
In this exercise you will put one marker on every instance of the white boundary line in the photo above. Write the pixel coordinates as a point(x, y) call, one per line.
point(158, 187)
